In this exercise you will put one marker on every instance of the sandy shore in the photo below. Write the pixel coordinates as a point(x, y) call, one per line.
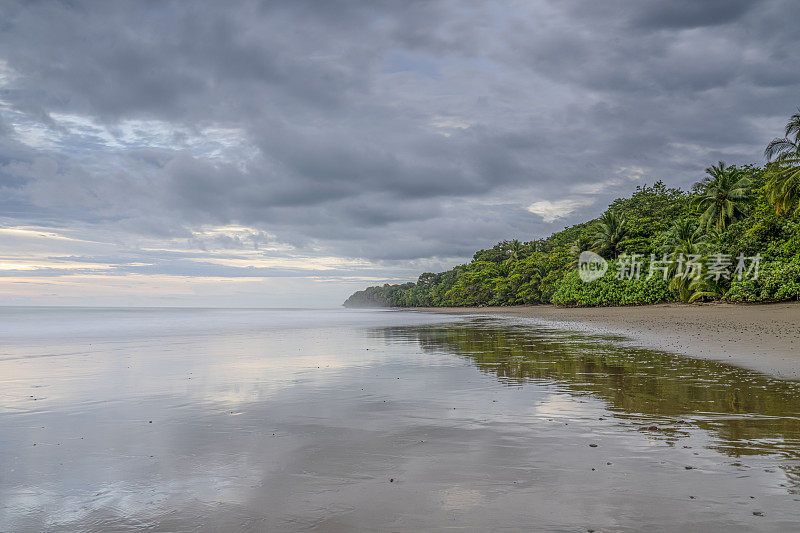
point(357, 420)
point(765, 338)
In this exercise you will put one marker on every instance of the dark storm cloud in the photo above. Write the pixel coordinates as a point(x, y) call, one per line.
point(690, 14)
point(384, 130)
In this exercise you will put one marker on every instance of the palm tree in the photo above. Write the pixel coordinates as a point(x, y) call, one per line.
point(712, 239)
point(514, 251)
point(578, 246)
point(682, 284)
point(685, 241)
point(683, 231)
point(722, 196)
point(705, 288)
point(783, 168)
point(608, 233)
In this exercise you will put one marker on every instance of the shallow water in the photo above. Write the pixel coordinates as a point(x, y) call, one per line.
point(187, 420)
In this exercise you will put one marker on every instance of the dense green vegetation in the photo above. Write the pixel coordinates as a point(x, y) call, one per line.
point(746, 211)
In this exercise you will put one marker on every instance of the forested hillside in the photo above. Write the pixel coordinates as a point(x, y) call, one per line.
point(733, 217)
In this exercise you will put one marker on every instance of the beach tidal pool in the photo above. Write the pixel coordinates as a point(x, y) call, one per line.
point(342, 420)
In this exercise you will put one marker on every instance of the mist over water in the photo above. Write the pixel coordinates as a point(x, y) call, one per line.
point(196, 419)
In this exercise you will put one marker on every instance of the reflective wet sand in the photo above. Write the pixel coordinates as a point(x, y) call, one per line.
point(190, 420)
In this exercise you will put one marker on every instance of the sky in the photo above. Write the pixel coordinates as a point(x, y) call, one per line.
point(286, 154)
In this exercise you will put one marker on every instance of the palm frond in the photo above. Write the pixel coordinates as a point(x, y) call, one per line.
point(778, 146)
point(793, 126)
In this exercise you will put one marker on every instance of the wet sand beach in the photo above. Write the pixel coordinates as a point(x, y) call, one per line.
point(341, 420)
point(765, 338)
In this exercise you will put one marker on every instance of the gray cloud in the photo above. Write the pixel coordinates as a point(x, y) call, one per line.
point(392, 131)
point(682, 14)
